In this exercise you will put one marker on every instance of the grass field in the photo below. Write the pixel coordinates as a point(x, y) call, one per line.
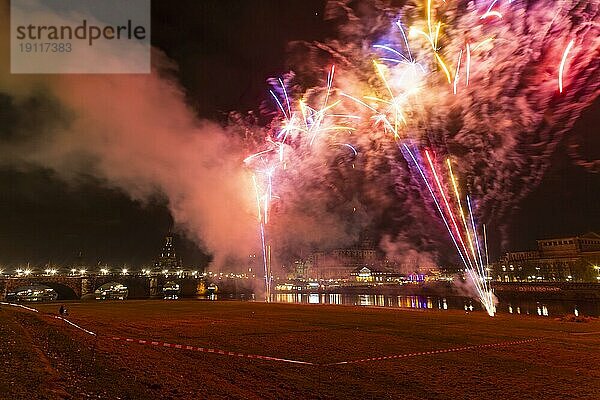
point(45, 358)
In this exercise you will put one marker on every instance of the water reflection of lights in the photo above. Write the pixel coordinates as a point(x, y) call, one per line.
point(112, 291)
point(33, 293)
point(335, 299)
point(288, 298)
point(171, 291)
point(518, 307)
point(542, 310)
point(366, 300)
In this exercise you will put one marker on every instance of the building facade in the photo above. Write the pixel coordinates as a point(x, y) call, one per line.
point(338, 264)
point(168, 258)
point(575, 258)
point(371, 275)
point(345, 264)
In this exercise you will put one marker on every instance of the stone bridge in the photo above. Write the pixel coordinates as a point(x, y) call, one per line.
point(74, 287)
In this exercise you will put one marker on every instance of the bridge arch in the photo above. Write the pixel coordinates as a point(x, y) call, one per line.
point(112, 290)
point(64, 292)
point(138, 287)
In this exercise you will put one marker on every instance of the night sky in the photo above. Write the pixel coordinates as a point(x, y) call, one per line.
point(225, 51)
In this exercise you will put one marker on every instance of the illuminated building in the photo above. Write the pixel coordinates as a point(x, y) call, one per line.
point(372, 275)
point(340, 263)
point(574, 258)
point(345, 264)
point(80, 265)
point(168, 258)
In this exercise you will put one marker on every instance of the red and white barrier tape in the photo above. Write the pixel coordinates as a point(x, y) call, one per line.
point(209, 350)
point(75, 325)
point(425, 353)
point(259, 357)
point(55, 316)
point(255, 356)
point(19, 305)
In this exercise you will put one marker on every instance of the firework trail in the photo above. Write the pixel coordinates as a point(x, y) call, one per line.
point(496, 108)
point(389, 112)
point(477, 80)
point(472, 260)
point(562, 65)
point(296, 131)
point(474, 81)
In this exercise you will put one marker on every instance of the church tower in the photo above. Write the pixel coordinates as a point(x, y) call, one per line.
point(168, 259)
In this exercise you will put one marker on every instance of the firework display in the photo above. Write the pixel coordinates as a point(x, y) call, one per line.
point(491, 68)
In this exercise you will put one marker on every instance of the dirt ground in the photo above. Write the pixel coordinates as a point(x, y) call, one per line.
point(45, 358)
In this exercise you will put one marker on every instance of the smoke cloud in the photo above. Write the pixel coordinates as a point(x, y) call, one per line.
point(134, 133)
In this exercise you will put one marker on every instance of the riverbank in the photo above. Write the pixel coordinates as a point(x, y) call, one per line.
point(434, 354)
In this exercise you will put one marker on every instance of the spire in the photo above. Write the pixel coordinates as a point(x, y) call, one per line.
point(168, 257)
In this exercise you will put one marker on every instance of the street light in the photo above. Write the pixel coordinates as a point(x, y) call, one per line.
point(104, 271)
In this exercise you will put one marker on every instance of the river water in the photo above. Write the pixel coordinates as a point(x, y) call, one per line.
point(530, 306)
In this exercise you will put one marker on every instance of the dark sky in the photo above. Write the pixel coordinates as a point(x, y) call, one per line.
point(225, 51)
point(568, 199)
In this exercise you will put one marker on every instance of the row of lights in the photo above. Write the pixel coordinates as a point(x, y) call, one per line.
point(125, 271)
point(103, 271)
point(220, 275)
